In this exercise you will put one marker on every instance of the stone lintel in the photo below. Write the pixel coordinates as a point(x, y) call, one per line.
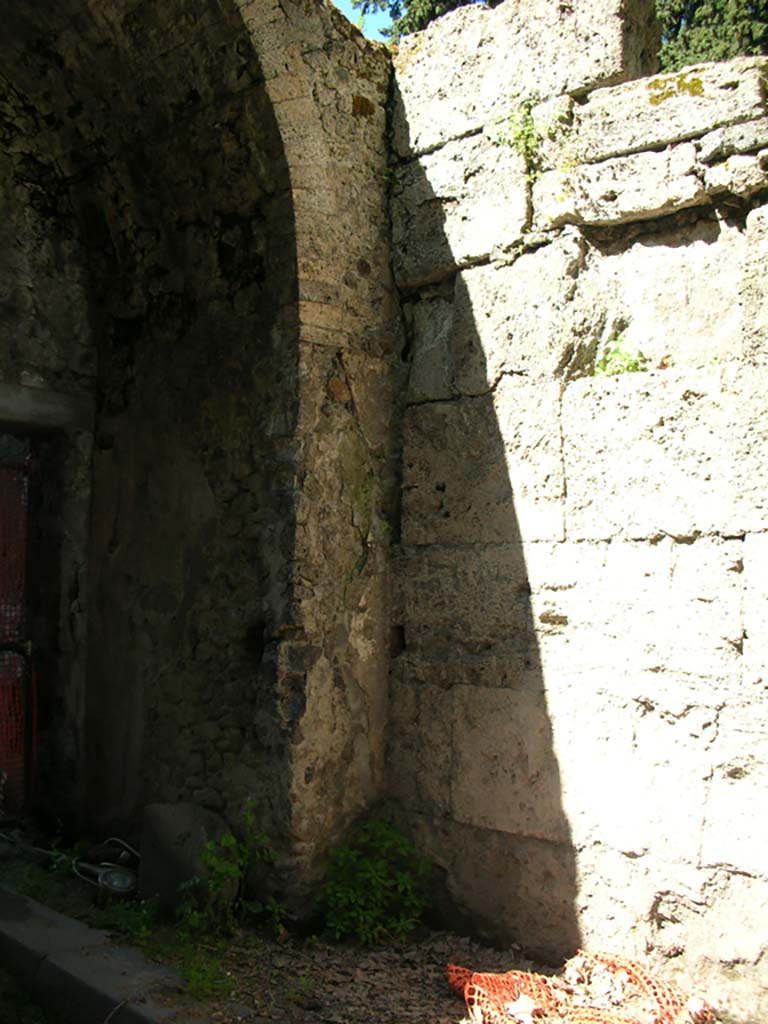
point(38, 409)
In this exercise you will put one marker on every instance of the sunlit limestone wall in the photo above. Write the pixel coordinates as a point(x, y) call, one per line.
point(579, 707)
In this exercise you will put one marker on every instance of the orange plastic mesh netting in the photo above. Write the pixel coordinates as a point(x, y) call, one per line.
point(593, 988)
point(16, 682)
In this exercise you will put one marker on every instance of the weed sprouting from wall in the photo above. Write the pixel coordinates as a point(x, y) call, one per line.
point(615, 358)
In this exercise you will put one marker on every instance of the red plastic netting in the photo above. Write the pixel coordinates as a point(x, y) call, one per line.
point(16, 697)
point(593, 988)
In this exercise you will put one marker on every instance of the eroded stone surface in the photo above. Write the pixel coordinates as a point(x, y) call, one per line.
point(639, 286)
point(528, 319)
point(561, 49)
point(456, 207)
point(740, 175)
point(513, 480)
point(753, 293)
point(736, 138)
point(668, 108)
point(685, 461)
point(636, 187)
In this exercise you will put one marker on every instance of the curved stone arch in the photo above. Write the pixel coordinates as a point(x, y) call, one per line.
point(329, 89)
point(112, 100)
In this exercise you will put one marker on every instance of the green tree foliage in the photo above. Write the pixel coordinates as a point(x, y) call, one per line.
point(692, 30)
point(412, 15)
point(698, 30)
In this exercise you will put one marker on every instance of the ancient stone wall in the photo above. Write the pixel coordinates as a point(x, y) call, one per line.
point(581, 692)
point(329, 89)
point(195, 232)
point(222, 169)
point(47, 361)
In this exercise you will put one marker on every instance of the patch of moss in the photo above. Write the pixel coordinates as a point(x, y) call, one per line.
point(683, 84)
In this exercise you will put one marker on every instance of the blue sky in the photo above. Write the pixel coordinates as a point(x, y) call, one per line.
point(373, 22)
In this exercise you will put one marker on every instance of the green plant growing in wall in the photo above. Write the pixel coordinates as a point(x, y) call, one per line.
point(376, 886)
point(615, 358)
point(519, 133)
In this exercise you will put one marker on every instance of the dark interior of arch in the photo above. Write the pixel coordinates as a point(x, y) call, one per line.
point(148, 256)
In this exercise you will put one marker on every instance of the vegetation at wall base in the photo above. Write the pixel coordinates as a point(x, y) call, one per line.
point(376, 887)
point(219, 905)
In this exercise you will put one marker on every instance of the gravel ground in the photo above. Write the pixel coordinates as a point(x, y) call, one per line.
point(296, 983)
point(286, 980)
point(319, 984)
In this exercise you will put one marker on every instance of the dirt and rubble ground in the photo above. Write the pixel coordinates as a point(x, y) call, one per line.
point(262, 978)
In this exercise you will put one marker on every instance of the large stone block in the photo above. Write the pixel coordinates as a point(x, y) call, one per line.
point(734, 835)
point(721, 143)
point(655, 112)
point(535, 317)
point(701, 928)
point(446, 658)
point(615, 891)
point(665, 453)
point(420, 745)
point(519, 48)
point(430, 324)
point(717, 938)
point(738, 175)
point(484, 469)
point(505, 774)
point(624, 770)
point(755, 642)
point(455, 207)
point(514, 889)
point(734, 829)
point(546, 314)
point(669, 294)
point(618, 610)
point(626, 188)
point(635, 905)
point(538, 317)
point(466, 598)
